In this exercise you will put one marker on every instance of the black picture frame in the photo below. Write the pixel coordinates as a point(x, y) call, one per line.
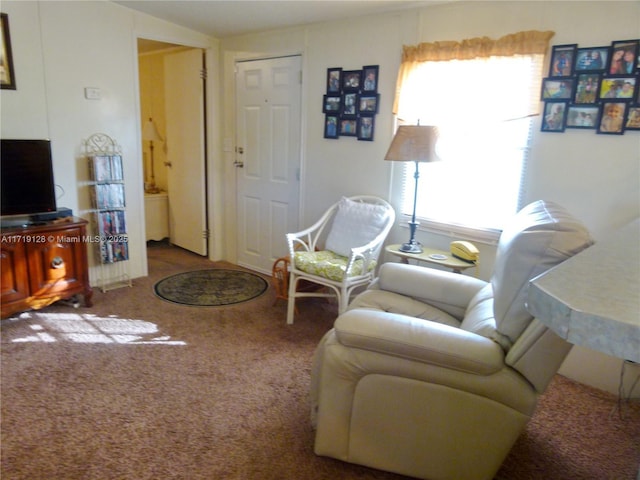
point(592, 59)
point(348, 127)
point(368, 103)
point(619, 87)
point(7, 73)
point(554, 117)
point(331, 126)
point(623, 57)
point(331, 103)
point(633, 118)
point(582, 116)
point(351, 80)
point(612, 117)
point(587, 88)
point(370, 78)
point(557, 89)
point(366, 127)
point(350, 105)
point(334, 80)
point(562, 60)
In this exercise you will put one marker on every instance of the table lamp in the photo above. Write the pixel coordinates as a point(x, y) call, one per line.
point(150, 133)
point(413, 143)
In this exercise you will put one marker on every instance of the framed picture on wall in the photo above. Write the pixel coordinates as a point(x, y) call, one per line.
point(348, 127)
point(557, 89)
point(349, 104)
point(633, 119)
point(331, 103)
point(618, 87)
point(624, 57)
point(331, 126)
point(366, 125)
point(587, 86)
point(582, 116)
point(554, 116)
point(351, 80)
point(333, 80)
point(7, 74)
point(593, 59)
point(370, 78)
point(368, 103)
point(562, 60)
point(612, 115)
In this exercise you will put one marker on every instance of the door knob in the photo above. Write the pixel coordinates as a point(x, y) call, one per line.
point(238, 164)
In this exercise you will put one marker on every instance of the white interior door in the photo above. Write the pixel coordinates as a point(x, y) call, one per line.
point(267, 158)
point(186, 162)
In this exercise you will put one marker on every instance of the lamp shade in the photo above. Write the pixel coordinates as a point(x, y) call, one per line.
point(414, 143)
point(150, 132)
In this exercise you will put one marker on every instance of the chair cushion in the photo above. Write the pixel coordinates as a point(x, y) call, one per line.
point(327, 264)
point(540, 236)
point(354, 225)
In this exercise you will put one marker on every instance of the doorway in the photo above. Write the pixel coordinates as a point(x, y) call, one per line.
point(268, 117)
point(172, 101)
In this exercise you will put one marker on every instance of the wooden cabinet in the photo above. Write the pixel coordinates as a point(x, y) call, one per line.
point(41, 264)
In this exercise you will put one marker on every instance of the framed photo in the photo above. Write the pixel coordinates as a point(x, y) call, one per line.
point(612, 115)
point(554, 116)
point(351, 80)
point(331, 126)
point(331, 103)
point(349, 104)
point(7, 74)
point(368, 103)
point(618, 87)
point(633, 119)
point(333, 80)
point(592, 59)
point(624, 57)
point(562, 60)
point(370, 78)
point(366, 125)
point(587, 87)
point(348, 127)
point(582, 116)
point(557, 89)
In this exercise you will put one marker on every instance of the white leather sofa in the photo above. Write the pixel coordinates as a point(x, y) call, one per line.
point(433, 374)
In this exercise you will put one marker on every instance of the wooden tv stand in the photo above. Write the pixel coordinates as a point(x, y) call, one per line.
point(43, 263)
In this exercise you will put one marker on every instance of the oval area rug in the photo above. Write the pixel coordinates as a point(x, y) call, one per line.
point(212, 287)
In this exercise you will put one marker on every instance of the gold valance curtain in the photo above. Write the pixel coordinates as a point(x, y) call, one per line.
point(521, 43)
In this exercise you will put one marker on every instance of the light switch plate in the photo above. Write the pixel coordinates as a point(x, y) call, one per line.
point(92, 93)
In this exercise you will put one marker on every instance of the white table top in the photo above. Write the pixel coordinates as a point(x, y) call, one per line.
point(593, 298)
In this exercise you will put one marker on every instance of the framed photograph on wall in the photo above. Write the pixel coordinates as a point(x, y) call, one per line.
point(7, 74)
point(557, 89)
point(370, 78)
point(366, 126)
point(351, 80)
point(349, 104)
point(633, 119)
point(368, 103)
point(331, 126)
point(554, 116)
point(593, 59)
point(623, 58)
point(562, 60)
point(348, 127)
point(331, 103)
point(612, 115)
point(582, 116)
point(618, 87)
point(333, 80)
point(587, 86)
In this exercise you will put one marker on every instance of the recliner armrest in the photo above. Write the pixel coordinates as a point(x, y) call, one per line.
point(419, 340)
point(448, 291)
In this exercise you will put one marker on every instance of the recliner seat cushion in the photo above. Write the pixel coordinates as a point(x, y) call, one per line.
point(541, 236)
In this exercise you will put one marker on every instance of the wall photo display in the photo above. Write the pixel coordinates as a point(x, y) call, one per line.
point(596, 88)
point(351, 102)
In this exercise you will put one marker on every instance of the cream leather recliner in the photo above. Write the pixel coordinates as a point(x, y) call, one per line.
point(433, 374)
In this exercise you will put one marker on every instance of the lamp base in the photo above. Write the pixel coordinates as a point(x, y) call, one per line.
point(411, 247)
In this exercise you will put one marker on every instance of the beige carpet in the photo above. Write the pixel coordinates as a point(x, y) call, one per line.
point(138, 388)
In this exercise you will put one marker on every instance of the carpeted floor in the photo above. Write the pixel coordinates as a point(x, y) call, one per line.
point(138, 388)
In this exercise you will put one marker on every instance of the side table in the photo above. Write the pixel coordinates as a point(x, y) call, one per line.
point(433, 256)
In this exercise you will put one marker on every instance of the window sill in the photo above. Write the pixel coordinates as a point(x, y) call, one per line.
point(487, 236)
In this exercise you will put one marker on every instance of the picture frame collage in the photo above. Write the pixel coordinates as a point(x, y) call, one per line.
point(593, 88)
point(351, 103)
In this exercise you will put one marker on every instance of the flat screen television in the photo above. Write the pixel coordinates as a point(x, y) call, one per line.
point(26, 178)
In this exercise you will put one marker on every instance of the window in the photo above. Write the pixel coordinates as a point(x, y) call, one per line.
point(483, 108)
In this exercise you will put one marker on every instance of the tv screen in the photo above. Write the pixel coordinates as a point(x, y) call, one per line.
point(26, 177)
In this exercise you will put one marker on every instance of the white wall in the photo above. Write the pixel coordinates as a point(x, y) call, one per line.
point(61, 47)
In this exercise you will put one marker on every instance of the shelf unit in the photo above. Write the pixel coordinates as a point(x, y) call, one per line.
point(109, 220)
